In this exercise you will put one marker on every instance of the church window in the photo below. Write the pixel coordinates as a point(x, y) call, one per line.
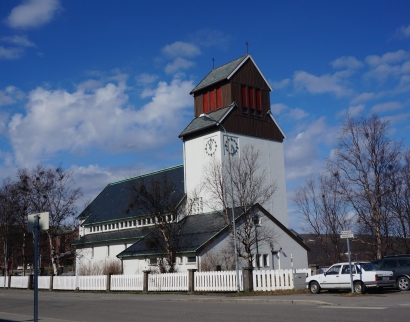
point(265, 260)
point(191, 259)
point(218, 97)
point(244, 96)
point(205, 102)
point(251, 97)
point(212, 100)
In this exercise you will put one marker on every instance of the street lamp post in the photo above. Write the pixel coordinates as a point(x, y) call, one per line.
point(256, 224)
point(232, 200)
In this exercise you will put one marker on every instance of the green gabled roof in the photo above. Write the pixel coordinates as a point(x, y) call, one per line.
point(220, 73)
point(198, 230)
point(112, 204)
point(201, 123)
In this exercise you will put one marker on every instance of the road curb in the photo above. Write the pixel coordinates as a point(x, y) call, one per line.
point(253, 301)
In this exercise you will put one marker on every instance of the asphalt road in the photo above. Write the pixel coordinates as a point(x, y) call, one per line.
point(17, 305)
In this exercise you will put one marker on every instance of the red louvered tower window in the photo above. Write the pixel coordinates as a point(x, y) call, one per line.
point(218, 97)
point(212, 100)
point(205, 101)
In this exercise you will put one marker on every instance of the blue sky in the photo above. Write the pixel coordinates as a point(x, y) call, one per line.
point(102, 86)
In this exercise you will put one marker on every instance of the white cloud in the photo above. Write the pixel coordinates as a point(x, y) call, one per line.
point(302, 151)
point(10, 53)
point(356, 110)
point(281, 84)
point(19, 41)
point(362, 98)
point(145, 79)
point(33, 13)
point(297, 114)
point(386, 107)
point(57, 120)
point(181, 49)
point(278, 108)
point(403, 32)
point(10, 95)
point(349, 62)
point(387, 58)
point(320, 84)
point(178, 64)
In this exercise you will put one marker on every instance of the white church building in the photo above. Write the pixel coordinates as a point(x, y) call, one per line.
point(231, 112)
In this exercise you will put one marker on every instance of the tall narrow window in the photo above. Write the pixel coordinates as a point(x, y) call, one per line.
point(218, 97)
point(258, 99)
point(244, 96)
point(251, 97)
point(212, 100)
point(205, 101)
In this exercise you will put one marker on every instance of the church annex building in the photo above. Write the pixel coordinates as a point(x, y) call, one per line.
point(236, 97)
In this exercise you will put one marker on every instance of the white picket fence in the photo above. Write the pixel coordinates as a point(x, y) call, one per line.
point(4, 281)
point(263, 280)
point(43, 282)
point(19, 282)
point(127, 282)
point(269, 280)
point(217, 281)
point(68, 283)
point(92, 283)
point(168, 282)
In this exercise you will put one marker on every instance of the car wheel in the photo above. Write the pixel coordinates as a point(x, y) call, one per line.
point(314, 287)
point(403, 283)
point(359, 288)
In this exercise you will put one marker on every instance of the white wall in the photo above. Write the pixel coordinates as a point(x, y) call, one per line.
point(290, 248)
point(271, 159)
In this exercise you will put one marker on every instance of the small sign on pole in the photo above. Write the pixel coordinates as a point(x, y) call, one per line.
point(348, 234)
point(43, 220)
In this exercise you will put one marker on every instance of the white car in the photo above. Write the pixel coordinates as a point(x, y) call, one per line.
point(337, 277)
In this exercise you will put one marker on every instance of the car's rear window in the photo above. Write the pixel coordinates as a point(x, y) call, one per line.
point(368, 266)
point(404, 262)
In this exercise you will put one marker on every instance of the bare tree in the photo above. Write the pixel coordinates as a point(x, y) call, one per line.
point(398, 201)
point(8, 219)
point(160, 205)
point(325, 213)
point(250, 187)
point(50, 190)
point(362, 163)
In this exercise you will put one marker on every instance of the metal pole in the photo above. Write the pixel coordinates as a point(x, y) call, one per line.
point(36, 229)
point(5, 261)
point(350, 265)
point(238, 288)
point(257, 249)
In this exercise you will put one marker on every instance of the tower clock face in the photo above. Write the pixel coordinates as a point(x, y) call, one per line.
point(210, 146)
point(231, 146)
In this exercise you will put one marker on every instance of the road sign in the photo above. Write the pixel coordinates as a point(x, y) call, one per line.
point(346, 234)
point(43, 219)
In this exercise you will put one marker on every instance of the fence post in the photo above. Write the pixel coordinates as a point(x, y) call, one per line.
point(108, 284)
point(191, 280)
point(30, 282)
point(51, 283)
point(145, 282)
point(247, 279)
